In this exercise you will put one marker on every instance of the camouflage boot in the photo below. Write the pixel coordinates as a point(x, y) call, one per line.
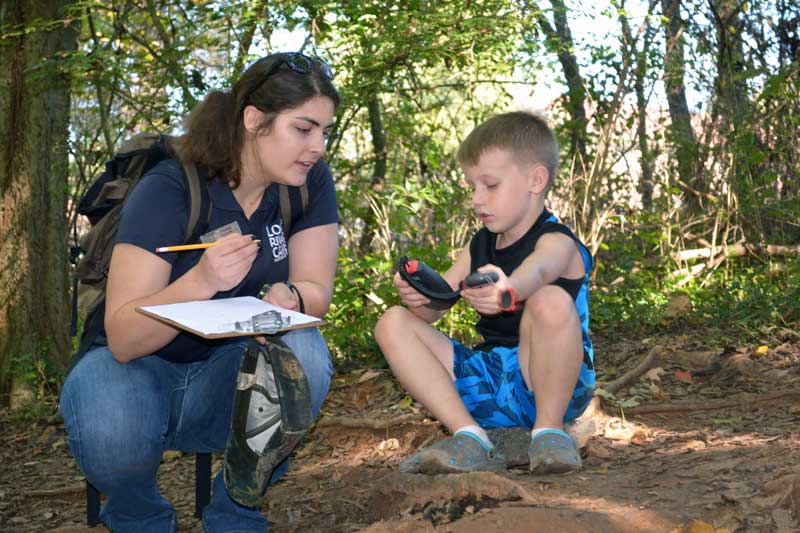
point(271, 414)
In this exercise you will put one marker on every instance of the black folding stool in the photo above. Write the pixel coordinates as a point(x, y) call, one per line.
point(202, 490)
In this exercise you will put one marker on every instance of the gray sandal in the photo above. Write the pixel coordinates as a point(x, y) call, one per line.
point(553, 452)
point(463, 452)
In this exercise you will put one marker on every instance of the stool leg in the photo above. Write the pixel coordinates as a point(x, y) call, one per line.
point(92, 505)
point(202, 483)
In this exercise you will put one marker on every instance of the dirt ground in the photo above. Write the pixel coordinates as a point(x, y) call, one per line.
point(709, 442)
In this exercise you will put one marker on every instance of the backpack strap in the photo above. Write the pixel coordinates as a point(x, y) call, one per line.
point(292, 208)
point(199, 201)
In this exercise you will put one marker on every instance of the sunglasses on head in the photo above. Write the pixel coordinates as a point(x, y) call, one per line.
point(297, 62)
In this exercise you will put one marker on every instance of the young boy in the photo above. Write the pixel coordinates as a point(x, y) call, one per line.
point(535, 366)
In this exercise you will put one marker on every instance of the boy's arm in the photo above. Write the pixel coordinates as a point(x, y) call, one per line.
point(556, 255)
point(415, 302)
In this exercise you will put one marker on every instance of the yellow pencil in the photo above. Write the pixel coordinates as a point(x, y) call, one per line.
point(187, 247)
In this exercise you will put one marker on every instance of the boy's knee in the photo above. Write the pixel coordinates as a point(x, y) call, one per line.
point(390, 321)
point(551, 306)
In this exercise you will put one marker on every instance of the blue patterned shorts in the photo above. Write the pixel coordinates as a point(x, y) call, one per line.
point(492, 387)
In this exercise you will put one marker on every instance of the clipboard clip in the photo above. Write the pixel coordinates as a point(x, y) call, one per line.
point(267, 323)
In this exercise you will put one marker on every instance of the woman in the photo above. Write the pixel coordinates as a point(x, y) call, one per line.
point(144, 386)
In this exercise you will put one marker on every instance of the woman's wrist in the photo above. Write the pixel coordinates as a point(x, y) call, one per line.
point(301, 306)
point(299, 297)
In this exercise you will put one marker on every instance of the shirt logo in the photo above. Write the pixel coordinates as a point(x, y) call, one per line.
point(277, 242)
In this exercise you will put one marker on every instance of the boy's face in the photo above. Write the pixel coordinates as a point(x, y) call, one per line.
point(502, 189)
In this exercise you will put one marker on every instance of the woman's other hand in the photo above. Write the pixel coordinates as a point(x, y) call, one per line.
point(281, 295)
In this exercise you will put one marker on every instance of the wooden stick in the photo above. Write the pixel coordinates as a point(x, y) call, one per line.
point(737, 250)
point(61, 491)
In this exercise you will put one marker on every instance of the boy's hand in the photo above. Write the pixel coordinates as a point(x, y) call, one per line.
point(486, 299)
point(408, 295)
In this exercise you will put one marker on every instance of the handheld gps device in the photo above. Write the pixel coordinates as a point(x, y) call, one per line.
point(429, 283)
point(433, 286)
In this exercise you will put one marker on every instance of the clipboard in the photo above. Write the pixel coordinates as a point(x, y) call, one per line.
point(216, 319)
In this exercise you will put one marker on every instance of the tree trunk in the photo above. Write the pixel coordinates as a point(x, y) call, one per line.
point(246, 40)
point(681, 133)
point(559, 41)
point(34, 282)
point(732, 106)
point(378, 169)
point(645, 184)
point(731, 85)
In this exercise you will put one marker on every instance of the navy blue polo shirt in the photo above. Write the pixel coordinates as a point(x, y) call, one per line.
point(157, 212)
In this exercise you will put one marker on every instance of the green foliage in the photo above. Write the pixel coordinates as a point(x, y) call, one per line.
point(31, 412)
point(751, 298)
point(436, 69)
point(747, 298)
point(418, 220)
point(33, 371)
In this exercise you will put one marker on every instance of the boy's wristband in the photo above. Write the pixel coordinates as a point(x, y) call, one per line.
point(508, 300)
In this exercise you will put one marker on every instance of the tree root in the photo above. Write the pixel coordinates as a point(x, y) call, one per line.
point(370, 423)
point(650, 361)
point(743, 400)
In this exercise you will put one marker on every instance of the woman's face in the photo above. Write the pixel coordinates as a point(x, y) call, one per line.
point(294, 142)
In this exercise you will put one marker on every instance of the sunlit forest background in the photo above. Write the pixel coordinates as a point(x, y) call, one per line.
point(678, 122)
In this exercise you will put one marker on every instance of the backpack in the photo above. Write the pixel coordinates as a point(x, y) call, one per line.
point(102, 205)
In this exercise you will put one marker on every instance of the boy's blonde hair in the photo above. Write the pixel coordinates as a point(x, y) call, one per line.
point(525, 135)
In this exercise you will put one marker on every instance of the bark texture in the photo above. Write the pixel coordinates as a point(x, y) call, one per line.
point(34, 99)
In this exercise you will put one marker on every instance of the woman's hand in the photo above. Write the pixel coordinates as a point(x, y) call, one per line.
point(281, 295)
point(225, 265)
point(408, 295)
point(486, 299)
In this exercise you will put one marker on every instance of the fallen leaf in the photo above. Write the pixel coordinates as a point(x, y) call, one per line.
point(654, 374)
point(617, 429)
point(683, 375)
point(762, 350)
point(388, 445)
point(698, 526)
point(370, 374)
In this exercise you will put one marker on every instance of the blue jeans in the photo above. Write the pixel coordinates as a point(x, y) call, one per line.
point(121, 417)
